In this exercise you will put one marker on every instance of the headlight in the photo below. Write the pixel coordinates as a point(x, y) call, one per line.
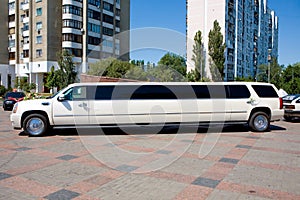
point(15, 108)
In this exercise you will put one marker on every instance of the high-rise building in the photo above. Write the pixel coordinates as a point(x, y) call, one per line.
point(33, 31)
point(249, 29)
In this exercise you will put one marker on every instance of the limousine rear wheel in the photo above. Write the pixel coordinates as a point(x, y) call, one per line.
point(259, 122)
point(35, 125)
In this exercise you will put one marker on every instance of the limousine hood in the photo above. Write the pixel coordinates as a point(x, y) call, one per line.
point(36, 104)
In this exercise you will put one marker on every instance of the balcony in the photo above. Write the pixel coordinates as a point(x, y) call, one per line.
point(25, 20)
point(25, 5)
point(12, 24)
point(26, 46)
point(25, 33)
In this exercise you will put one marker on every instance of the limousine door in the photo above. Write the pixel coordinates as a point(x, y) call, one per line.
point(72, 108)
point(239, 99)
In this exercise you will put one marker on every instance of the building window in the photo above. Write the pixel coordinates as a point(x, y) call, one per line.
point(94, 14)
point(108, 31)
point(37, 1)
point(70, 23)
point(108, 43)
point(25, 27)
point(39, 12)
point(39, 39)
point(95, 2)
point(108, 19)
point(39, 25)
point(26, 54)
point(94, 40)
point(75, 52)
point(107, 6)
point(11, 6)
point(72, 37)
point(12, 55)
point(12, 43)
point(70, 9)
point(94, 28)
point(11, 18)
point(39, 53)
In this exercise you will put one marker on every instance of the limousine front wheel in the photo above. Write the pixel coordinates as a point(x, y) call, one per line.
point(259, 122)
point(35, 125)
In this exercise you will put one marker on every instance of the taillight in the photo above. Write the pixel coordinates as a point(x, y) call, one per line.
point(280, 103)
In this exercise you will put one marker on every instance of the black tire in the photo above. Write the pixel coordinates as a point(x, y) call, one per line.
point(288, 119)
point(259, 122)
point(35, 125)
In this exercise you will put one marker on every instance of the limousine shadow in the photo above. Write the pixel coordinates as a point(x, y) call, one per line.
point(150, 130)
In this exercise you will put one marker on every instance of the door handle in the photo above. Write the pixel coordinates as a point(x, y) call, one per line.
point(83, 105)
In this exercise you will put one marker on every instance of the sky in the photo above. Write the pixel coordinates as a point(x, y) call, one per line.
point(170, 16)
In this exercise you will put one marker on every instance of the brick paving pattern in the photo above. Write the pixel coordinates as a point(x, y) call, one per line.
point(241, 165)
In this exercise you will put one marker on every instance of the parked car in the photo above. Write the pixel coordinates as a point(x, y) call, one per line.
point(10, 98)
point(85, 105)
point(291, 105)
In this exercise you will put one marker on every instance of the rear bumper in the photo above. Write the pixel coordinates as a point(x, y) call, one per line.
point(277, 115)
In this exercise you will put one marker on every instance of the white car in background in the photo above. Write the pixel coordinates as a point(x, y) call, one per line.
point(291, 105)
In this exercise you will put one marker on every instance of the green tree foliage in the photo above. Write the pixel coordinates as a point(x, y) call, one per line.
point(51, 80)
point(290, 79)
point(66, 73)
point(100, 68)
point(275, 73)
point(216, 49)
point(2, 90)
point(110, 67)
point(175, 62)
point(163, 73)
point(118, 68)
point(23, 84)
point(136, 73)
point(198, 58)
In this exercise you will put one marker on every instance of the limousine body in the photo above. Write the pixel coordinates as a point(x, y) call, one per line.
point(151, 104)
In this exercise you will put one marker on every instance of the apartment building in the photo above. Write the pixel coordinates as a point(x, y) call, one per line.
point(249, 28)
point(38, 29)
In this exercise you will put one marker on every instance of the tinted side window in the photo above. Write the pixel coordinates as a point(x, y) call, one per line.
point(153, 92)
point(201, 91)
point(265, 91)
point(238, 92)
point(102, 92)
point(217, 91)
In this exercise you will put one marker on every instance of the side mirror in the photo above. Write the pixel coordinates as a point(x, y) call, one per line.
point(61, 98)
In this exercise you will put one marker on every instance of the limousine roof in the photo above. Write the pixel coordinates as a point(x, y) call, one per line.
point(169, 83)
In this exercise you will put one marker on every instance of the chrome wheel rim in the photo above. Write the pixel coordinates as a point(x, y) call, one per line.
point(35, 126)
point(261, 123)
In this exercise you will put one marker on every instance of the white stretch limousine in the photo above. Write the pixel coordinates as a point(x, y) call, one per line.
point(151, 104)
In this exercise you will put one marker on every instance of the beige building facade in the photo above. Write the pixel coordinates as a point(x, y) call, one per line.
point(34, 31)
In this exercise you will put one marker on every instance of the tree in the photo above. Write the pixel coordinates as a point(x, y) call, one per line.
point(275, 73)
point(66, 73)
point(216, 49)
point(100, 68)
point(23, 84)
point(51, 80)
point(290, 79)
point(198, 58)
point(118, 69)
point(175, 62)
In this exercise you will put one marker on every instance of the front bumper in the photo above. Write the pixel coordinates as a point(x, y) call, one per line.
point(16, 120)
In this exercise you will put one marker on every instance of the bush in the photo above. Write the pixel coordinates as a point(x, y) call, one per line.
point(3, 90)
